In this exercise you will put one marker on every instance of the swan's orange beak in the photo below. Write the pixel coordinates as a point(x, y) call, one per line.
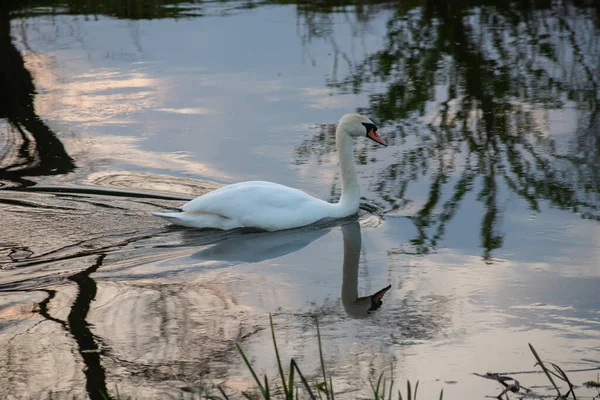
point(374, 136)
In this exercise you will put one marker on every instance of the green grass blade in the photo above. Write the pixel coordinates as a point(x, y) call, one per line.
point(565, 378)
point(379, 385)
point(408, 391)
point(546, 371)
point(391, 381)
point(303, 380)
point(416, 388)
point(260, 386)
point(321, 356)
point(288, 395)
point(268, 392)
point(291, 382)
point(561, 374)
point(373, 389)
point(322, 387)
point(331, 387)
point(399, 395)
point(223, 393)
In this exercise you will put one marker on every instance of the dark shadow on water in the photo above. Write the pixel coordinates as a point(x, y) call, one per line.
point(249, 245)
point(86, 343)
point(257, 247)
point(134, 9)
point(77, 326)
point(30, 147)
point(130, 194)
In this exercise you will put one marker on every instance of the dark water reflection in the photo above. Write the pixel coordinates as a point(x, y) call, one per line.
point(110, 110)
point(29, 147)
point(472, 92)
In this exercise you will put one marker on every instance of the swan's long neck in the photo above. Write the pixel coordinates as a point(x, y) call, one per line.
point(350, 199)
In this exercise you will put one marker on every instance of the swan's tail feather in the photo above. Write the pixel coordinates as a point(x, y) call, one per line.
point(181, 218)
point(173, 217)
point(198, 220)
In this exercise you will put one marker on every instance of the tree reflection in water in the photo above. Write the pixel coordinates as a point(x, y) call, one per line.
point(30, 148)
point(468, 91)
point(467, 88)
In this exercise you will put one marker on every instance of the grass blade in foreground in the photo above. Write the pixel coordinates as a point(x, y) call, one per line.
point(541, 364)
point(289, 395)
point(262, 389)
point(325, 386)
point(321, 356)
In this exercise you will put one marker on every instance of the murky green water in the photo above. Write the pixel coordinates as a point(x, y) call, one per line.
point(482, 213)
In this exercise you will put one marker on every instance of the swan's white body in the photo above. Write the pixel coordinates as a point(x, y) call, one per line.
point(271, 206)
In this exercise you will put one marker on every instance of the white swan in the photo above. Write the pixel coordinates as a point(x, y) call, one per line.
point(272, 207)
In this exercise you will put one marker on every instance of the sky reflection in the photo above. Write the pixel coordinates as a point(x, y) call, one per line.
point(484, 206)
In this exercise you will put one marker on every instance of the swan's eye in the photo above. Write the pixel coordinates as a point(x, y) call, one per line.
point(369, 126)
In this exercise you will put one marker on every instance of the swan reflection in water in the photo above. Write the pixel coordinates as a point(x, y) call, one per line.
point(258, 247)
point(356, 306)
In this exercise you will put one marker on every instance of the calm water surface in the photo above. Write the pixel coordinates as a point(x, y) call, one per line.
point(482, 213)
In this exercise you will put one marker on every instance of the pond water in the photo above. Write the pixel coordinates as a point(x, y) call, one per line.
point(482, 214)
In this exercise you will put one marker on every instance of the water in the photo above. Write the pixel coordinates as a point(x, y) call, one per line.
point(482, 214)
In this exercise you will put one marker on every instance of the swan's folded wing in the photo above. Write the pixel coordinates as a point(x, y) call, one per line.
point(251, 200)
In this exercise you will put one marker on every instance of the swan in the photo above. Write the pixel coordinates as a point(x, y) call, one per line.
point(355, 306)
point(270, 206)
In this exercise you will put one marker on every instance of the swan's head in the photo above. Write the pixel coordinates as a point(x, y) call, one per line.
point(355, 125)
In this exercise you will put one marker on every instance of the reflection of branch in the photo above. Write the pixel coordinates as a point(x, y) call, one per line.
point(488, 195)
point(78, 327)
point(34, 149)
point(88, 347)
point(43, 309)
point(591, 77)
point(462, 187)
point(317, 22)
point(40, 151)
point(321, 144)
point(498, 82)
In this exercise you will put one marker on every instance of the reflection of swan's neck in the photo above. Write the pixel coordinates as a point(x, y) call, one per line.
point(356, 306)
point(352, 243)
point(350, 190)
point(353, 305)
